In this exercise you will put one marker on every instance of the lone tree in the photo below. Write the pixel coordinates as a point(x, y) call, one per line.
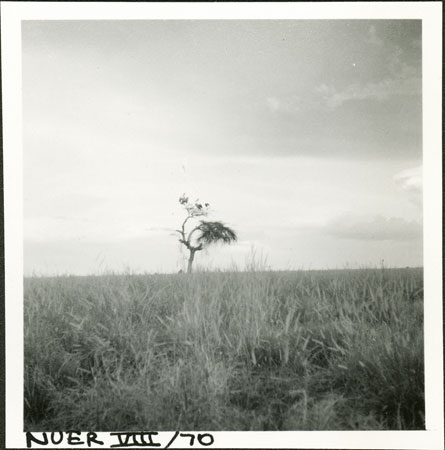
point(204, 234)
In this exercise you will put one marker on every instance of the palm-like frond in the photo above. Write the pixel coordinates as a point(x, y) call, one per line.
point(212, 232)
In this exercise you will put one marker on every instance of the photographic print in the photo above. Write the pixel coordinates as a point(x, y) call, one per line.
point(223, 225)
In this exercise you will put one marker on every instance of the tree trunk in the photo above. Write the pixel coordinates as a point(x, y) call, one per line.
point(190, 262)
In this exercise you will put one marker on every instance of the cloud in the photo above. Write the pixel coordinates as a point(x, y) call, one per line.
point(377, 228)
point(402, 78)
point(286, 104)
point(273, 103)
point(411, 181)
point(373, 37)
point(381, 91)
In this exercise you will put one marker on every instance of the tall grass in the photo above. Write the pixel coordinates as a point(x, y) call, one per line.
point(326, 350)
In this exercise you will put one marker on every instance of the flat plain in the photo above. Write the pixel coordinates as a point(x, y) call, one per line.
point(253, 350)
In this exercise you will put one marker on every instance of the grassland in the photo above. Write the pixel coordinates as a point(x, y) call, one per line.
point(328, 350)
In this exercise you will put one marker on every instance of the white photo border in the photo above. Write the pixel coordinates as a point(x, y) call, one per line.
point(431, 15)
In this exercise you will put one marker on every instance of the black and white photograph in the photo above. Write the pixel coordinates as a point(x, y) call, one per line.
point(224, 226)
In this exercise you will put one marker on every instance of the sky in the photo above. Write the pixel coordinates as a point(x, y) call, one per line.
point(304, 136)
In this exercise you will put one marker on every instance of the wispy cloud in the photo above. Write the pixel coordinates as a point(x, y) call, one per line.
point(377, 228)
point(381, 91)
point(373, 37)
point(402, 78)
point(410, 181)
point(288, 104)
point(273, 103)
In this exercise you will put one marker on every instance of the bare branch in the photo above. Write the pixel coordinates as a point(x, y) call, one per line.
point(191, 233)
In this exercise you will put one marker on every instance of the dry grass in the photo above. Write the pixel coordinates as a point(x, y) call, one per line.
point(328, 350)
